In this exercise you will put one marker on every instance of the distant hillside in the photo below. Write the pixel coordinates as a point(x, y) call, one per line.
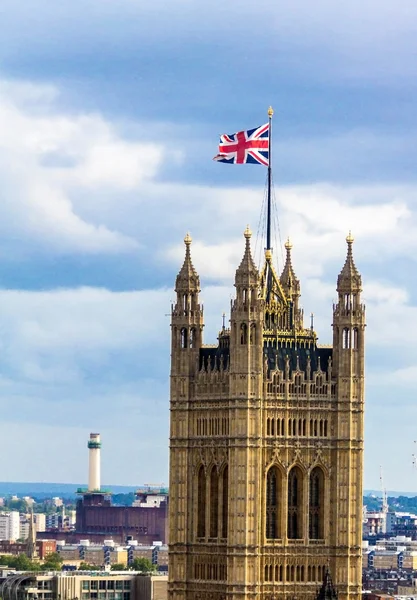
point(391, 493)
point(48, 490)
point(68, 490)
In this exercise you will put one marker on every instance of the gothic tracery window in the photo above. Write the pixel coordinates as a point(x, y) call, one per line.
point(243, 333)
point(184, 338)
point(316, 504)
point(214, 502)
point(272, 504)
point(295, 492)
point(192, 338)
point(225, 501)
point(201, 503)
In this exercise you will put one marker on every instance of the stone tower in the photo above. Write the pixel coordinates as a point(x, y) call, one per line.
point(266, 453)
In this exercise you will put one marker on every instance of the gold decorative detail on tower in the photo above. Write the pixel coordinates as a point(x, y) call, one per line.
point(188, 239)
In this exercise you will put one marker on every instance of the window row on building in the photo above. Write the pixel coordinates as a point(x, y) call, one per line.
point(297, 427)
point(318, 388)
point(291, 573)
point(212, 426)
point(304, 494)
point(106, 584)
point(210, 571)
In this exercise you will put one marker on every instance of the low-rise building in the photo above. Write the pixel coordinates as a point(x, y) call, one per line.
point(84, 585)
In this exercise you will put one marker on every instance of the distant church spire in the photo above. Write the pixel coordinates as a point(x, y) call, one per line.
point(31, 550)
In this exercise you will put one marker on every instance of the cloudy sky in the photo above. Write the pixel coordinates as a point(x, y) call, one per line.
point(109, 116)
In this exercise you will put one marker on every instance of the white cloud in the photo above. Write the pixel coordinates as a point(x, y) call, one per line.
point(47, 158)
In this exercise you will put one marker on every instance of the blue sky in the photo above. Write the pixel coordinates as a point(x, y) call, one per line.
point(109, 116)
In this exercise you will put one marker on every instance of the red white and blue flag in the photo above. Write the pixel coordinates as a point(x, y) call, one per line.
point(251, 146)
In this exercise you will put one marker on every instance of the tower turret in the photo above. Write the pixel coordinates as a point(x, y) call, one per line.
point(291, 286)
point(186, 318)
point(349, 320)
point(246, 316)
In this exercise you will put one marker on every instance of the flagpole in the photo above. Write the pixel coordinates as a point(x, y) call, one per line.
point(268, 221)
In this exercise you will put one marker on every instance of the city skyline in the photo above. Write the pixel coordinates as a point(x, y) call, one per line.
point(110, 114)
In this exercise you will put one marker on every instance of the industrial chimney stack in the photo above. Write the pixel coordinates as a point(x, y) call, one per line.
point(94, 446)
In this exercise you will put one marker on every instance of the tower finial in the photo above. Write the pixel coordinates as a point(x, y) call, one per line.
point(247, 233)
point(288, 245)
point(188, 239)
point(350, 239)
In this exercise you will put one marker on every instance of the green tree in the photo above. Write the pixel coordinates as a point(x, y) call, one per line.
point(142, 564)
point(53, 562)
point(86, 567)
point(20, 563)
point(19, 505)
point(118, 567)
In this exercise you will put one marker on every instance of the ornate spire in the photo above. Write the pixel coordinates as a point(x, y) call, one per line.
point(247, 267)
point(187, 278)
point(31, 550)
point(327, 590)
point(349, 278)
point(288, 279)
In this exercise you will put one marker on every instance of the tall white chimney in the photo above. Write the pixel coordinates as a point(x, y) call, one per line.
point(94, 446)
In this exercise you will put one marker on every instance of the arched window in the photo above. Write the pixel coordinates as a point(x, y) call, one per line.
point(355, 344)
point(295, 494)
point(273, 481)
point(192, 338)
point(347, 301)
point(184, 338)
point(316, 504)
point(225, 501)
point(185, 302)
point(346, 338)
point(243, 333)
point(214, 503)
point(201, 503)
point(252, 338)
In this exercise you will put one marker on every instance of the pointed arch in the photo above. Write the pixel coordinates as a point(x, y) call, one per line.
point(355, 340)
point(184, 338)
point(214, 502)
point(316, 504)
point(252, 336)
point(243, 334)
point(193, 337)
point(225, 501)
point(295, 501)
point(273, 508)
point(201, 502)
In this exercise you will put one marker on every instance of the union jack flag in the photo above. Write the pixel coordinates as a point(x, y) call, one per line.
point(251, 146)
